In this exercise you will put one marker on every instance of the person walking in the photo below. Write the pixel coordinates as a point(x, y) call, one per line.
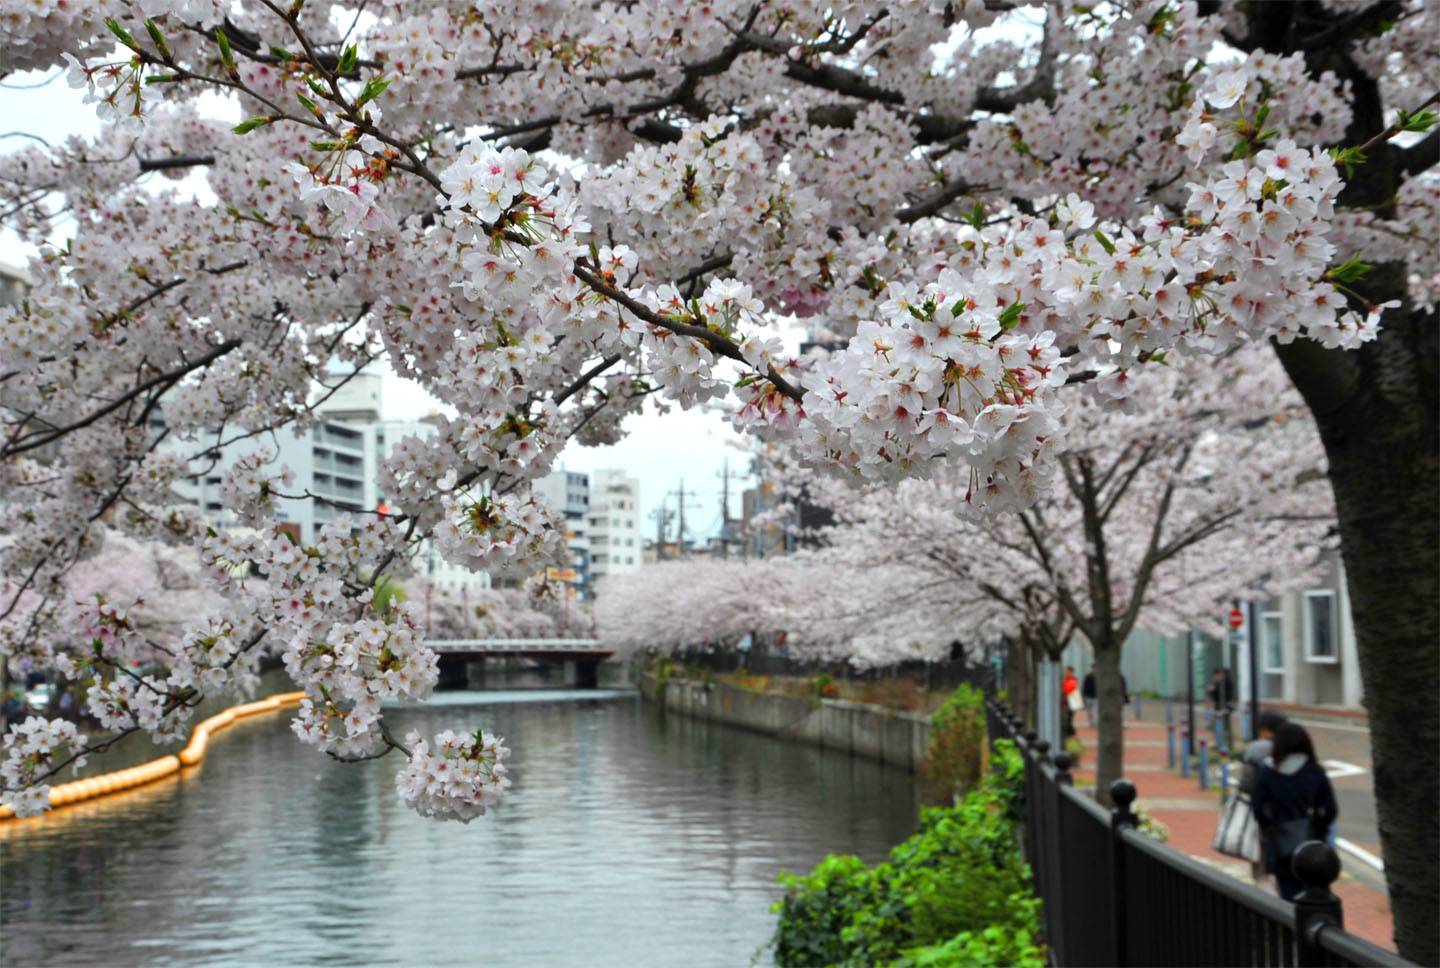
point(1069, 701)
point(1255, 758)
point(1222, 698)
point(1293, 803)
point(1088, 693)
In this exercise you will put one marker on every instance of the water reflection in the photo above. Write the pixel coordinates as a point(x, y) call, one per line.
point(629, 838)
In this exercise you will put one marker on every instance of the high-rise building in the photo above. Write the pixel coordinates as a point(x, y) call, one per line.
point(337, 460)
point(616, 544)
point(568, 492)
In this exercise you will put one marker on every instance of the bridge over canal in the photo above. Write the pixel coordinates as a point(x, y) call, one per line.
point(586, 654)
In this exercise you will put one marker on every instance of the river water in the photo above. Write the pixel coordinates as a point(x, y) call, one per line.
point(629, 838)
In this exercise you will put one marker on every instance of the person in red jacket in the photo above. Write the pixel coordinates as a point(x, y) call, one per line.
point(1069, 700)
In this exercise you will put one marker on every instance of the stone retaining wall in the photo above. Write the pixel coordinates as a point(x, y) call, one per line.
point(879, 732)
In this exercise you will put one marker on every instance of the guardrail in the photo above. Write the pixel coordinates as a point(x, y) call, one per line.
point(1114, 896)
point(519, 645)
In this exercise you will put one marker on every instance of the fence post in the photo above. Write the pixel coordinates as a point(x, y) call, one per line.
point(1042, 747)
point(1063, 762)
point(1316, 865)
point(1138, 709)
point(1204, 763)
point(1122, 794)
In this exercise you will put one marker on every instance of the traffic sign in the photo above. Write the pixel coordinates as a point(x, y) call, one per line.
point(1237, 618)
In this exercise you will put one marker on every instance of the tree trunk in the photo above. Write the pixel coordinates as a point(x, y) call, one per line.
point(1020, 675)
point(1110, 697)
point(1377, 414)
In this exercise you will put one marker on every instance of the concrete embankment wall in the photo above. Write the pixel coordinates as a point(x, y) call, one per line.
point(879, 732)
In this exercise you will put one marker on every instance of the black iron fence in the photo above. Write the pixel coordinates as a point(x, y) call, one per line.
point(1115, 896)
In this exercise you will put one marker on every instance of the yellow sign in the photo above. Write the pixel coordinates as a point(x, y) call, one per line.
point(560, 574)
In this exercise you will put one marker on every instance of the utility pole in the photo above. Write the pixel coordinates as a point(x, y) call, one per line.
point(662, 524)
point(726, 535)
point(681, 494)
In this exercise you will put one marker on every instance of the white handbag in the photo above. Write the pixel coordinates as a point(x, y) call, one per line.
point(1239, 833)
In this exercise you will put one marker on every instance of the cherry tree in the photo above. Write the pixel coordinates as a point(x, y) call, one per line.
point(543, 214)
point(1212, 488)
point(541, 611)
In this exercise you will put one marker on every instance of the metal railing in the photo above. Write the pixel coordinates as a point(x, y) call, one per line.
point(519, 645)
point(1115, 896)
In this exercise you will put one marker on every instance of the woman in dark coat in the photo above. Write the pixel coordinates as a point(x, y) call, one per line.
point(1293, 803)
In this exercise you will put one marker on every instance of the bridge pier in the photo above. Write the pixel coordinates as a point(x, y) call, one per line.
point(587, 673)
point(454, 672)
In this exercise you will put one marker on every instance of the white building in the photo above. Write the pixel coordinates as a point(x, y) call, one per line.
point(338, 462)
point(568, 492)
point(616, 544)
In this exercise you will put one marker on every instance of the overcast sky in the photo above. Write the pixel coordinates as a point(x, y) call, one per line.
point(659, 450)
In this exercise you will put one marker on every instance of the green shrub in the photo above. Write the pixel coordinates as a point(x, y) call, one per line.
point(957, 743)
point(957, 891)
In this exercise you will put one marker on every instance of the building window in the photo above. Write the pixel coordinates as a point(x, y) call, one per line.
point(1272, 642)
point(1321, 634)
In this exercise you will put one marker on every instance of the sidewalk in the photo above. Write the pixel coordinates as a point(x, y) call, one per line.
point(1192, 815)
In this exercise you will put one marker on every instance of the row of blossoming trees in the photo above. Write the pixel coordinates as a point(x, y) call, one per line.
point(1211, 487)
point(546, 215)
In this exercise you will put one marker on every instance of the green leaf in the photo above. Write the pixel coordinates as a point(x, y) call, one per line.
point(227, 56)
point(1348, 158)
point(326, 145)
point(1010, 318)
point(1351, 270)
point(280, 53)
point(1419, 121)
point(310, 105)
point(373, 89)
point(348, 57)
point(1104, 241)
point(976, 216)
point(250, 124)
point(122, 34)
point(960, 304)
point(157, 38)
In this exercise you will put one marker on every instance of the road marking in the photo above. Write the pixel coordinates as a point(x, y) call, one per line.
point(1361, 853)
point(1335, 769)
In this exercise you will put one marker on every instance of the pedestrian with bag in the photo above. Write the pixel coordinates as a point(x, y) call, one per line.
point(1293, 803)
point(1238, 834)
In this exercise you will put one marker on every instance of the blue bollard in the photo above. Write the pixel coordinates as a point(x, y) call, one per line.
point(1184, 752)
point(1170, 747)
point(1169, 711)
point(1204, 764)
point(1138, 716)
point(1222, 742)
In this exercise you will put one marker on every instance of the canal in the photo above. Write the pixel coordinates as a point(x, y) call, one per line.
point(629, 838)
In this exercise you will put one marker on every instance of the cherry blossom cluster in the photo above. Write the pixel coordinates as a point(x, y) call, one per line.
point(33, 748)
point(460, 780)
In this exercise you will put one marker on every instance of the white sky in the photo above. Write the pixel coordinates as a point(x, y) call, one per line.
point(658, 450)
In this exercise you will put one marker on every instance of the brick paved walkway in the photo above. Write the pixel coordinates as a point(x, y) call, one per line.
point(1192, 815)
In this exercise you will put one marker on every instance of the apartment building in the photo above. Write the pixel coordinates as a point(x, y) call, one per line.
point(616, 542)
point(568, 492)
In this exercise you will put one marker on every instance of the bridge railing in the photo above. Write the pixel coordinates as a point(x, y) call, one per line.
point(519, 645)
